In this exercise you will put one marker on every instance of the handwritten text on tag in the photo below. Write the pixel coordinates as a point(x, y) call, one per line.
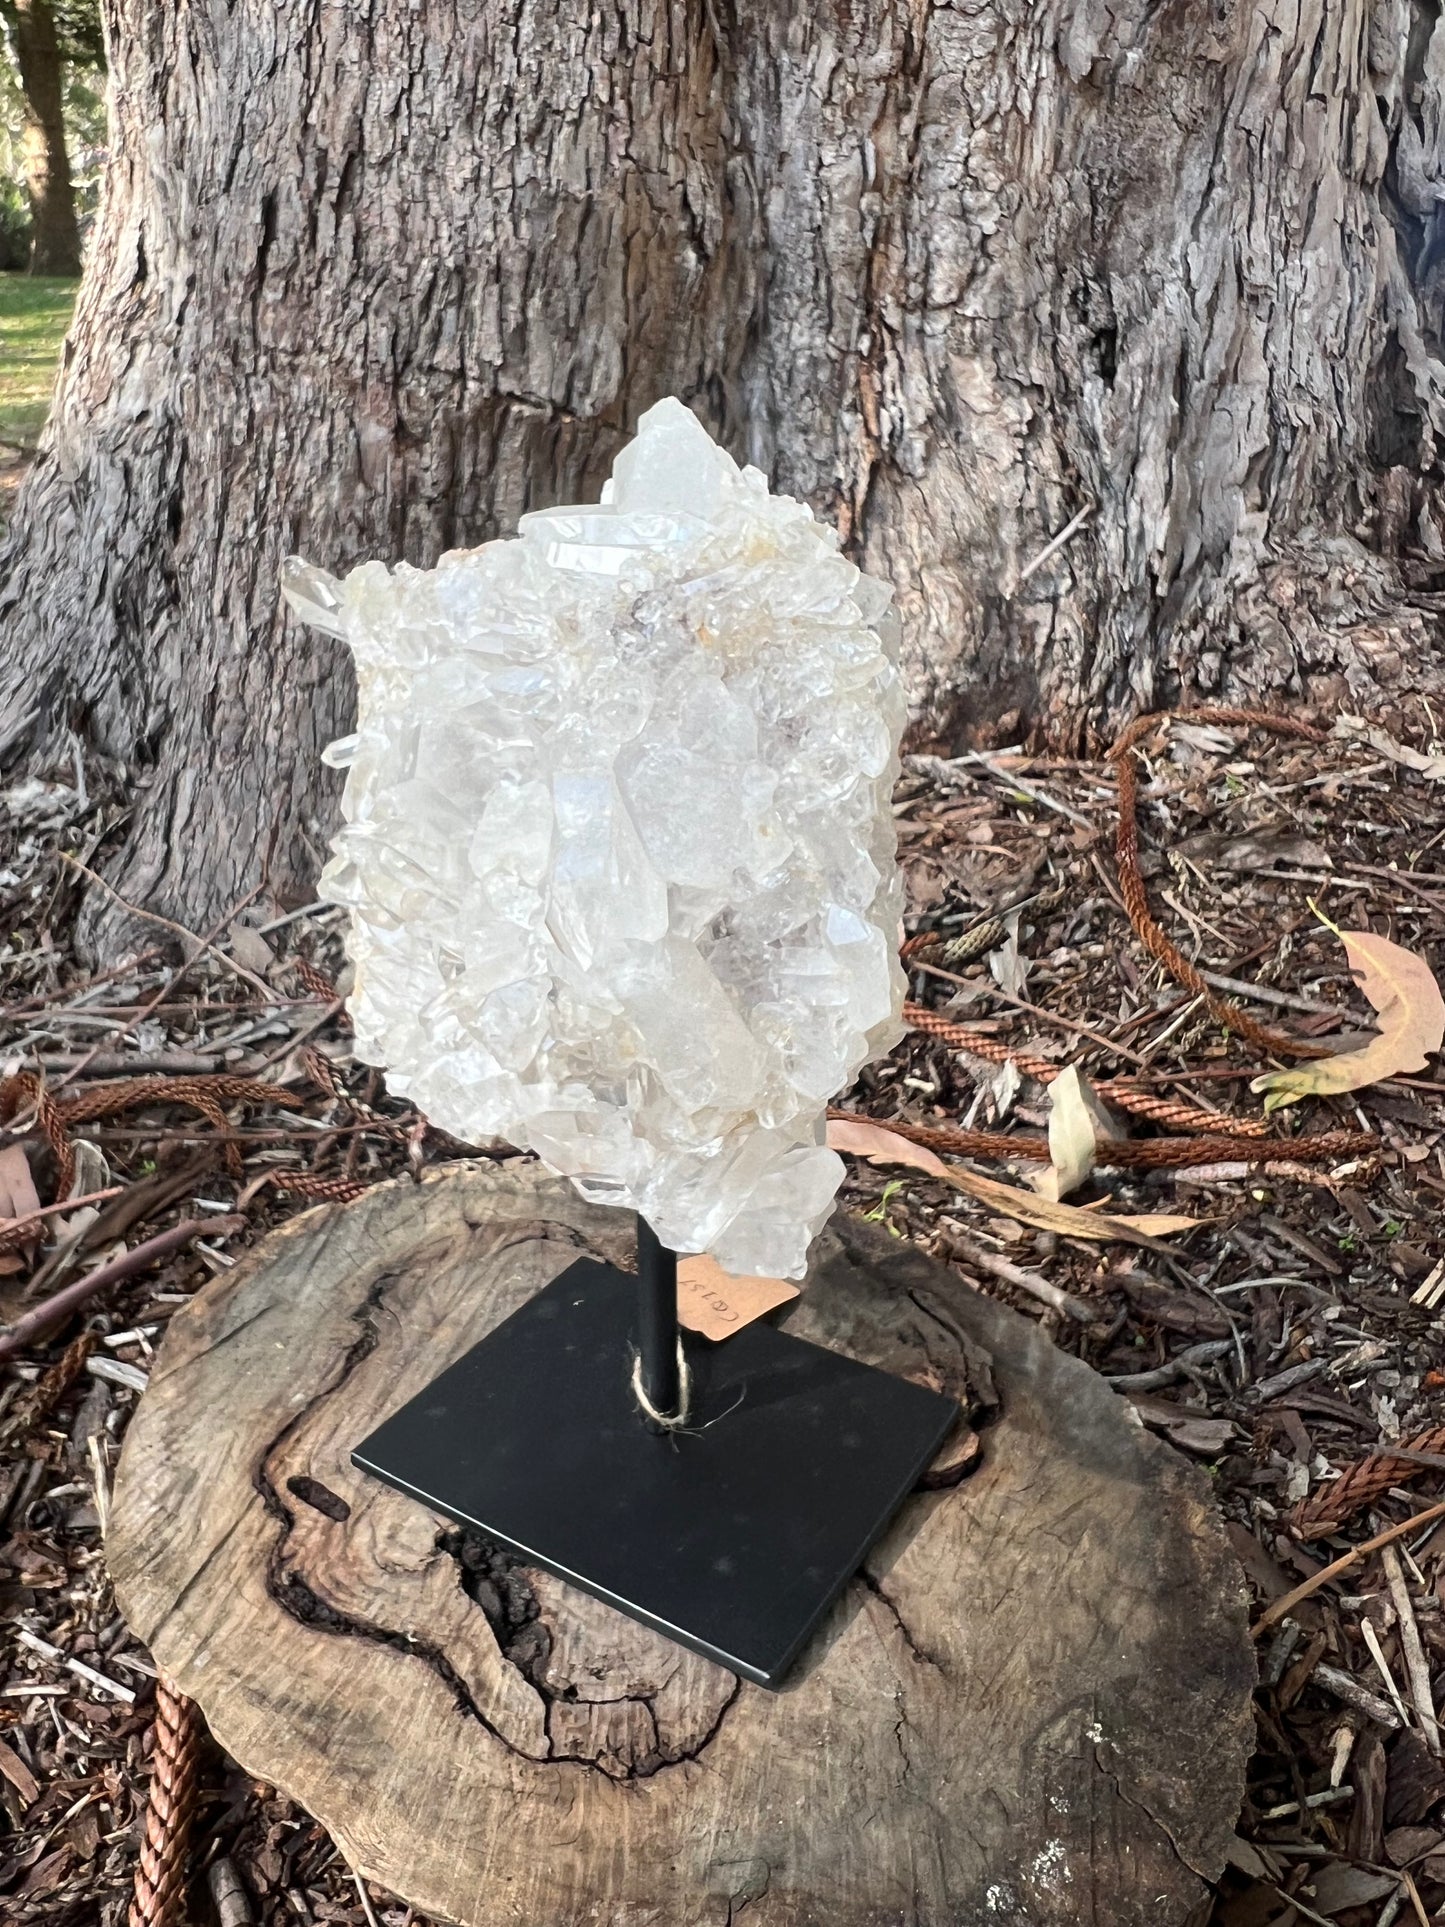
point(713, 1302)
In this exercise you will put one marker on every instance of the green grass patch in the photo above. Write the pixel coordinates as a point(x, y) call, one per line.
point(34, 315)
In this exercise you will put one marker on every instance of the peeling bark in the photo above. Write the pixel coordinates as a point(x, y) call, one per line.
point(371, 281)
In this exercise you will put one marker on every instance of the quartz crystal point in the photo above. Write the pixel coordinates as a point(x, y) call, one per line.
point(618, 853)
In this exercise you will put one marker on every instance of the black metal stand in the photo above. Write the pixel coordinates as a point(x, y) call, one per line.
point(730, 1521)
point(658, 1333)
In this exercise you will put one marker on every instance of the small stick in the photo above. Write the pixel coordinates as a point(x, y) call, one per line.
point(1307, 1913)
point(1435, 1460)
point(205, 943)
point(1035, 1010)
point(9, 1226)
point(297, 1038)
point(1035, 795)
point(1288, 1601)
point(16, 1337)
point(1037, 1286)
point(232, 1903)
point(1052, 547)
point(119, 1063)
point(1382, 1667)
point(100, 1481)
point(1267, 994)
point(36, 1006)
point(295, 916)
point(1415, 1901)
point(1334, 1796)
point(76, 1666)
point(1417, 1667)
point(366, 1906)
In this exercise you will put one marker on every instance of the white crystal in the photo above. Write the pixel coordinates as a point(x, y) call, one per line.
point(618, 851)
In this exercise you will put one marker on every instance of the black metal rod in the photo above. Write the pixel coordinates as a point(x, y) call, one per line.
point(657, 1320)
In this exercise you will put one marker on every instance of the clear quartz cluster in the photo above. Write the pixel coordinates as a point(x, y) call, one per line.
point(618, 852)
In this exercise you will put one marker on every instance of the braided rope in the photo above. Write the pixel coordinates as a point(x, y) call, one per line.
point(1128, 1154)
point(1361, 1484)
point(1184, 1118)
point(160, 1878)
point(931, 946)
point(304, 1184)
point(26, 1091)
point(314, 980)
point(322, 1073)
point(37, 1400)
point(1131, 881)
point(1120, 1092)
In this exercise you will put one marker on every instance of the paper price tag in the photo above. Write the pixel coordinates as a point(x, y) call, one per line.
point(713, 1302)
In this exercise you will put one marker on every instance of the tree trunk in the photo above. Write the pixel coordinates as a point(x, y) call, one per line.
point(55, 237)
point(371, 280)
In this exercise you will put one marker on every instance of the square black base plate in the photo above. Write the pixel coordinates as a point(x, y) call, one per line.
point(733, 1537)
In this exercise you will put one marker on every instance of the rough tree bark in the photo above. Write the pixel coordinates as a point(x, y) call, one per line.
point(55, 236)
point(371, 280)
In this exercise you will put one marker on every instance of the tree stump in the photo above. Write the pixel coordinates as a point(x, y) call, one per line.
point(1033, 1706)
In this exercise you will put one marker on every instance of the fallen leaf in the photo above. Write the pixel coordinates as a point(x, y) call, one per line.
point(1390, 747)
point(1403, 990)
point(251, 950)
point(1337, 1887)
point(1202, 736)
point(1046, 1214)
point(1077, 1120)
point(18, 1196)
point(881, 1146)
point(1405, 1844)
point(1010, 971)
point(18, 1774)
point(1159, 1224)
point(1249, 1860)
point(47, 1874)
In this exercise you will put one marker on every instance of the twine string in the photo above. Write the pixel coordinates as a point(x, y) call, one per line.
point(667, 1421)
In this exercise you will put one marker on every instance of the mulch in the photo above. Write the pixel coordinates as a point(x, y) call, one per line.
point(1290, 1344)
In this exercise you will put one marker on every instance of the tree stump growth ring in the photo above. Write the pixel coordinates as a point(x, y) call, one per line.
point(1032, 1707)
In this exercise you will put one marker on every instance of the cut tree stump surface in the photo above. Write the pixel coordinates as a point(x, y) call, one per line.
point(1032, 1707)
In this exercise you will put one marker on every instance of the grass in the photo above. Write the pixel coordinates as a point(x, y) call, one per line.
point(34, 315)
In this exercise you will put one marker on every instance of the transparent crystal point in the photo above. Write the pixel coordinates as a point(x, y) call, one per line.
point(618, 854)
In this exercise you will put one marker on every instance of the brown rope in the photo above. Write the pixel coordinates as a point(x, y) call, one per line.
point(160, 1878)
point(1184, 1118)
point(1128, 1154)
point(1120, 1092)
point(314, 980)
point(1131, 881)
point(303, 1184)
point(39, 1399)
point(1362, 1483)
point(26, 1091)
point(55, 1117)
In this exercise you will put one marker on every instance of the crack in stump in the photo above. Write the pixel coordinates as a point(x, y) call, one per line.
point(920, 1653)
point(492, 1575)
